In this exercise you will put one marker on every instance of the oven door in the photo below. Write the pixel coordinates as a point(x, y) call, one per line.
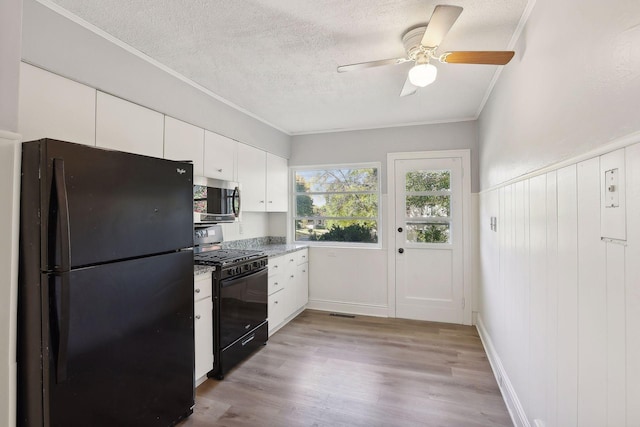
point(243, 305)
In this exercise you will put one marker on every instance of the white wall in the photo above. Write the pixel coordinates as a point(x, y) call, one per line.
point(372, 145)
point(573, 85)
point(355, 280)
point(559, 307)
point(10, 151)
point(57, 44)
point(10, 30)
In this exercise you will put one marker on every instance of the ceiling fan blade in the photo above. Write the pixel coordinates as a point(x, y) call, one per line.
point(408, 88)
point(371, 64)
point(441, 21)
point(477, 57)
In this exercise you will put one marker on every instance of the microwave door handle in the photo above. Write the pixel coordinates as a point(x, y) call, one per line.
point(62, 201)
point(236, 195)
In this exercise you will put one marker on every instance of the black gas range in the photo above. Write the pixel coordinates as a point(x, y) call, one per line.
point(239, 299)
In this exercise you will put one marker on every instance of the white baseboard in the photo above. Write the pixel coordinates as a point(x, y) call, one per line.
point(349, 308)
point(509, 395)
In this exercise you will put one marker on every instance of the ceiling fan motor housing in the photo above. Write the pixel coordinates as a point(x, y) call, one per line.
point(411, 41)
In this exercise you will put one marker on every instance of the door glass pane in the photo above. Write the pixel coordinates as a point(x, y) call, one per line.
point(428, 180)
point(428, 206)
point(428, 233)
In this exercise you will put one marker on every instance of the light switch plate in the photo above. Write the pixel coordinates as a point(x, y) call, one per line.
point(613, 222)
point(612, 188)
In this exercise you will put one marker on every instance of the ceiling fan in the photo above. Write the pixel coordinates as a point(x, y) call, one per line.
point(421, 44)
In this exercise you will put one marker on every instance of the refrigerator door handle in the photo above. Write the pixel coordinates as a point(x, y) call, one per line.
point(62, 315)
point(63, 216)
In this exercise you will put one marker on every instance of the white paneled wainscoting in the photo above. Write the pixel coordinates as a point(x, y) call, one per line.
point(559, 291)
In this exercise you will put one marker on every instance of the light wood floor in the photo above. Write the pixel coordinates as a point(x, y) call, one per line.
point(321, 370)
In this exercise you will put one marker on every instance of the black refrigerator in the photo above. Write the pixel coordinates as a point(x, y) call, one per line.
point(105, 295)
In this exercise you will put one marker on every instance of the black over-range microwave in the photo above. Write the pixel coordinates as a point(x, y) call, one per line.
point(215, 201)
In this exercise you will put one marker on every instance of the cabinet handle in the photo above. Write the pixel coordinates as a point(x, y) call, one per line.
point(197, 290)
point(261, 201)
point(292, 276)
point(197, 316)
point(275, 302)
point(304, 256)
point(219, 170)
point(275, 283)
point(270, 201)
point(291, 260)
point(304, 271)
point(275, 266)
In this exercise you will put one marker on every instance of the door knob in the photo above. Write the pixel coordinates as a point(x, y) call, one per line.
point(399, 229)
point(401, 250)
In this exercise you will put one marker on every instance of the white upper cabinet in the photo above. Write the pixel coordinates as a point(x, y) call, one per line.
point(183, 141)
point(220, 155)
point(277, 183)
point(251, 174)
point(124, 126)
point(54, 107)
point(264, 179)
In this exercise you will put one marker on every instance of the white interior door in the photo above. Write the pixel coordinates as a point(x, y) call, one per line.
point(429, 264)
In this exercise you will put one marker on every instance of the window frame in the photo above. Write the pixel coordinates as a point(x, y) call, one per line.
point(293, 204)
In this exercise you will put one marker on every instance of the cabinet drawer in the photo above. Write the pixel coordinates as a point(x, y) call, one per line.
point(202, 287)
point(276, 282)
point(303, 256)
point(297, 257)
point(276, 265)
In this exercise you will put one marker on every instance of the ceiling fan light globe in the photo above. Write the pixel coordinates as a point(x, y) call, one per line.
point(422, 75)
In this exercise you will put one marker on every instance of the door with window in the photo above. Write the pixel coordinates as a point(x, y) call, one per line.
point(429, 267)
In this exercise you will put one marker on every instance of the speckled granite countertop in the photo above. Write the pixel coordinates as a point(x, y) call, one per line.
point(273, 250)
point(272, 246)
point(202, 269)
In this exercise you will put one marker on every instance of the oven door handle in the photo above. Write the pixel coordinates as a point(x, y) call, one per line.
point(232, 280)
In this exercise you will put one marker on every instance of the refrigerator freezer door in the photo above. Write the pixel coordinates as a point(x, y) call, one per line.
point(121, 338)
point(118, 205)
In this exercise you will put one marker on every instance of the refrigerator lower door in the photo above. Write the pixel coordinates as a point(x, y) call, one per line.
point(121, 339)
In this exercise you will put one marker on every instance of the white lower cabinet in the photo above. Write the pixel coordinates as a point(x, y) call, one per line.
point(288, 287)
point(203, 326)
point(277, 308)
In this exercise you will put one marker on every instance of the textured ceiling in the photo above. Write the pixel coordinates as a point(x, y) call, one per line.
point(277, 59)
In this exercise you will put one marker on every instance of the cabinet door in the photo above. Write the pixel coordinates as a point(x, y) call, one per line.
point(277, 183)
point(302, 285)
point(277, 307)
point(54, 107)
point(251, 174)
point(203, 332)
point(220, 155)
point(184, 141)
point(125, 126)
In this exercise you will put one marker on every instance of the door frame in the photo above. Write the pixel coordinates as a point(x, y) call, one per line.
point(465, 156)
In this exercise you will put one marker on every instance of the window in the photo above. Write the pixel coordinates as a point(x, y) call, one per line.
point(428, 206)
point(337, 204)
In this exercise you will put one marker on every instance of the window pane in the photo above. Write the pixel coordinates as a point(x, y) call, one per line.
point(428, 206)
point(428, 180)
point(342, 230)
point(337, 180)
point(342, 205)
point(428, 233)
